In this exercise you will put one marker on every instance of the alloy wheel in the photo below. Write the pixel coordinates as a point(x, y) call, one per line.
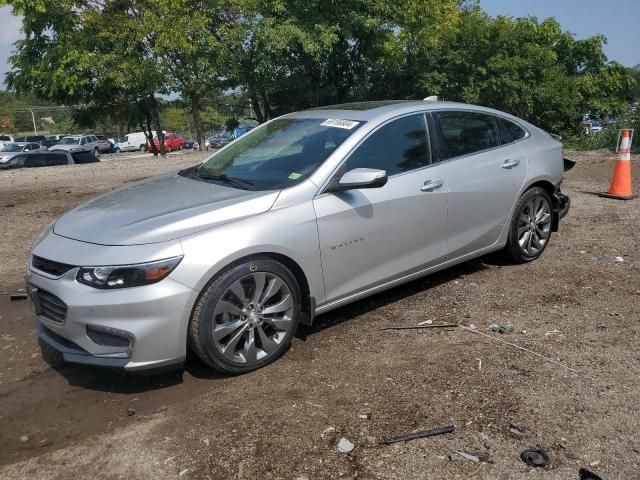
point(534, 226)
point(252, 318)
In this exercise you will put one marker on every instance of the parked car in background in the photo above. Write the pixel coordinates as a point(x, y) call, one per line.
point(190, 144)
point(130, 142)
point(172, 142)
point(88, 143)
point(308, 212)
point(104, 146)
point(31, 139)
point(4, 139)
point(220, 140)
point(48, 158)
point(13, 149)
point(51, 140)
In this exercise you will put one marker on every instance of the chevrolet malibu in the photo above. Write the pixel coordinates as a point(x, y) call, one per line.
point(308, 212)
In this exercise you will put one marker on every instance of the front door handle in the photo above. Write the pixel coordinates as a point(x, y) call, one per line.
point(431, 185)
point(510, 163)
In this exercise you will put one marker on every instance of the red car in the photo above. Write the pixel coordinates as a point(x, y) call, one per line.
point(172, 141)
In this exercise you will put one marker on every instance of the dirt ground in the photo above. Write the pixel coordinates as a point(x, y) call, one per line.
point(346, 377)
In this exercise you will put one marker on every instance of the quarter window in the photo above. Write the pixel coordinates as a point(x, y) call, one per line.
point(397, 147)
point(462, 133)
point(509, 131)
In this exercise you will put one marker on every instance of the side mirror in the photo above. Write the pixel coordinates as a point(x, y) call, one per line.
point(359, 178)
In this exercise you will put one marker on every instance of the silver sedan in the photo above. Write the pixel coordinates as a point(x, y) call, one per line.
point(306, 213)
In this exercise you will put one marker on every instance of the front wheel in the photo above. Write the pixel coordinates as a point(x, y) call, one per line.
point(246, 317)
point(530, 228)
point(96, 152)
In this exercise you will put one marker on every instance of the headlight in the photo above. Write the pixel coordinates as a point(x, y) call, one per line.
point(124, 276)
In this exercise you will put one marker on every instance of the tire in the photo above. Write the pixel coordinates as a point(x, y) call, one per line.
point(143, 148)
point(235, 335)
point(96, 152)
point(530, 227)
point(168, 149)
point(117, 150)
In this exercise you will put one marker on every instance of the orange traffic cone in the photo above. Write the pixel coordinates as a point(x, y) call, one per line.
point(621, 181)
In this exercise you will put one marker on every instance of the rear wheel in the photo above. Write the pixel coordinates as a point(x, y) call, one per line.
point(246, 317)
point(143, 148)
point(117, 150)
point(530, 228)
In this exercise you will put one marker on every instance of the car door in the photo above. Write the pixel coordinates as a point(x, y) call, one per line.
point(484, 178)
point(370, 236)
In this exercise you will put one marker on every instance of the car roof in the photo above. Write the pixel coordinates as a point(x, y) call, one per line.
point(50, 152)
point(378, 110)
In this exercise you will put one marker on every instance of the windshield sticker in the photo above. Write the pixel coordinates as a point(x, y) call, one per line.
point(334, 122)
point(295, 176)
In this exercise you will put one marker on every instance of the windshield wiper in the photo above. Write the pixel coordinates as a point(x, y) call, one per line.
point(236, 182)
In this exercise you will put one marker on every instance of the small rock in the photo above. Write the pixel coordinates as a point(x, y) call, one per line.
point(572, 456)
point(131, 412)
point(583, 252)
point(619, 260)
point(515, 430)
point(345, 446)
point(328, 433)
point(24, 438)
point(594, 463)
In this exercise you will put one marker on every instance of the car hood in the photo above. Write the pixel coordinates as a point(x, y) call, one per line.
point(160, 209)
point(67, 147)
point(5, 156)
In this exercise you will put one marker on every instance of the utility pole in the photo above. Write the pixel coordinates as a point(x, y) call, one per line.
point(33, 117)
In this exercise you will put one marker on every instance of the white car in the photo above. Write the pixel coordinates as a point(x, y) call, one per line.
point(4, 139)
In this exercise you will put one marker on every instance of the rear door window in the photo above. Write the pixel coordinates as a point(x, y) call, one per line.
point(397, 147)
point(464, 133)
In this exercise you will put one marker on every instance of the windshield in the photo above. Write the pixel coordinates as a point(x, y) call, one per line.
point(279, 154)
point(69, 141)
point(12, 147)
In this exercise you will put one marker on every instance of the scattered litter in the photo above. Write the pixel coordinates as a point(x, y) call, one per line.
point(345, 446)
point(501, 328)
point(426, 322)
point(469, 329)
point(418, 327)
point(595, 463)
point(365, 417)
point(588, 475)
point(515, 430)
point(313, 404)
point(24, 438)
point(422, 434)
point(131, 412)
point(552, 332)
point(583, 252)
point(183, 472)
point(534, 458)
point(19, 295)
point(479, 364)
point(619, 260)
point(466, 456)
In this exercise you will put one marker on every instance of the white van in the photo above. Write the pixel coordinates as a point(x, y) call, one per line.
point(130, 142)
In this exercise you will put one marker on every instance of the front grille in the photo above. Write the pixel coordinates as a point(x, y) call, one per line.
point(49, 266)
point(50, 306)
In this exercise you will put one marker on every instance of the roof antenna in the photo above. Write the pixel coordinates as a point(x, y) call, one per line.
point(432, 98)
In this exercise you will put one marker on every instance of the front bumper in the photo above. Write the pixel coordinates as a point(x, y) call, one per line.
point(135, 328)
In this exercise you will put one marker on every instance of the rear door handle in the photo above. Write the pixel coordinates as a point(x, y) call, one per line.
point(431, 185)
point(510, 163)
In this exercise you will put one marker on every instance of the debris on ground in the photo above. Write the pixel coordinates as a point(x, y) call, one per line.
point(24, 438)
point(535, 458)
point(422, 434)
point(131, 412)
point(466, 456)
point(19, 295)
point(552, 332)
point(501, 328)
point(619, 260)
point(418, 327)
point(345, 446)
point(515, 430)
point(588, 475)
point(328, 433)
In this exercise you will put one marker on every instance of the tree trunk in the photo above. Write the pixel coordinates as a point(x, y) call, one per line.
point(267, 107)
point(197, 122)
point(148, 133)
point(155, 118)
point(255, 103)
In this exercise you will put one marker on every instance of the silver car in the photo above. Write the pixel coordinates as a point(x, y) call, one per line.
point(79, 143)
point(306, 213)
point(12, 149)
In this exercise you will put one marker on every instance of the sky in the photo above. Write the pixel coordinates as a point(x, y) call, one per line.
point(618, 20)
